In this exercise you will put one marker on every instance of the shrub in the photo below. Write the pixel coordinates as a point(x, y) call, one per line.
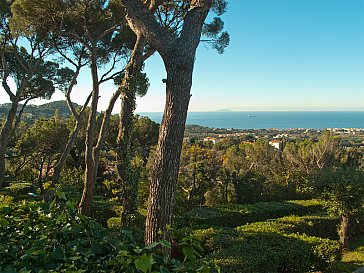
point(263, 252)
point(236, 215)
point(72, 179)
point(102, 211)
point(313, 225)
point(324, 252)
point(21, 188)
point(272, 246)
point(5, 200)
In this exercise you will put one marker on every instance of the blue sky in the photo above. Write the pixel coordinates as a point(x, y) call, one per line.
point(283, 55)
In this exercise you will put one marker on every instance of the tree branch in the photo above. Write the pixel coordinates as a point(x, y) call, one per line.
point(5, 76)
point(142, 20)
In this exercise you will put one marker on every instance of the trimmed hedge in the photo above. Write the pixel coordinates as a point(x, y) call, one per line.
point(313, 225)
point(239, 250)
point(237, 215)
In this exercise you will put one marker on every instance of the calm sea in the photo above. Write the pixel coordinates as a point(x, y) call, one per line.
point(269, 119)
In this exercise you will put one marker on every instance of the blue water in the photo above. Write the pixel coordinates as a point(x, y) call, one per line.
point(270, 119)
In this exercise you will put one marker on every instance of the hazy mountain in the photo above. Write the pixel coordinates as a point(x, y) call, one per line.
point(36, 111)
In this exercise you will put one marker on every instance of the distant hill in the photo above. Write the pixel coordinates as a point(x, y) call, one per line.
point(46, 110)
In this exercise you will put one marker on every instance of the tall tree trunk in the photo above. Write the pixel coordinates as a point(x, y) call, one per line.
point(178, 55)
point(344, 231)
point(40, 175)
point(85, 204)
point(167, 157)
point(128, 184)
point(4, 137)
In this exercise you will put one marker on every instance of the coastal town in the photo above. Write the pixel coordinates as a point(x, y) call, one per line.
point(351, 137)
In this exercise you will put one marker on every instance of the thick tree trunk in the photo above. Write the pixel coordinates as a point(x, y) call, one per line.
point(85, 204)
point(4, 137)
point(167, 158)
point(344, 231)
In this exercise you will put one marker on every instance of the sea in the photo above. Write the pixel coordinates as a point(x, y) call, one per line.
point(271, 119)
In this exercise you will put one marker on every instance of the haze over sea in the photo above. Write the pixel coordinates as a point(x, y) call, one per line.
point(272, 119)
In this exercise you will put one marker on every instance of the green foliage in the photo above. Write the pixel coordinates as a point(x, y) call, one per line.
point(102, 210)
point(72, 179)
point(319, 226)
point(236, 215)
point(41, 237)
point(20, 188)
point(343, 189)
point(262, 247)
point(5, 200)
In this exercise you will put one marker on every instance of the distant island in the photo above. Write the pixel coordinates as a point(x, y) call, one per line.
point(224, 110)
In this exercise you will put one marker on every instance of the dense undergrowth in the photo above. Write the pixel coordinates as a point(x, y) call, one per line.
point(289, 236)
point(40, 237)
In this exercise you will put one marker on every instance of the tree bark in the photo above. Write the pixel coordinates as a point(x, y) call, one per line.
point(84, 206)
point(344, 231)
point(92, 152)
point(167, 158)
point(178, 55)
point(4, 137)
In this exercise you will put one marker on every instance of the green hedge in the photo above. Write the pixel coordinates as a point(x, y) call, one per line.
point(237, 215)
point(269, 250)
point(313, 225)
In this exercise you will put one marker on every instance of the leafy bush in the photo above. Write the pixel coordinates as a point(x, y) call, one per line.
point(102, 211)
point(72, 179)
point(39, 237)
point(313, 225)
point(324, 252)
point(263, 252)
point(267, 250)
point(5, 200)
point(236, 215)
point(20, 188)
